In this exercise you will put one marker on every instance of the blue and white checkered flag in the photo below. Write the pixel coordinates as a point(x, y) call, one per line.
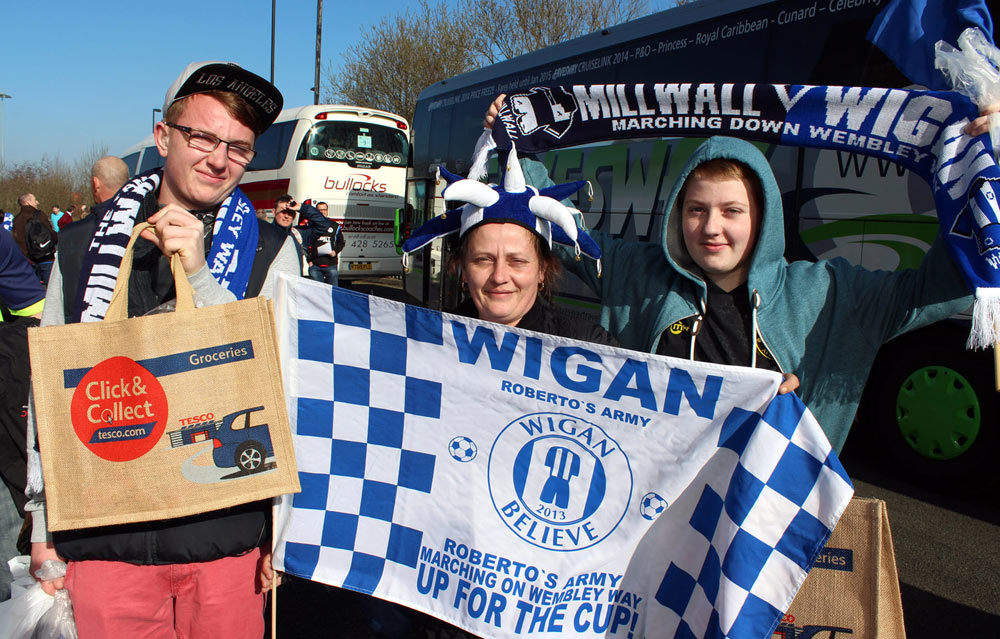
point(514, 483)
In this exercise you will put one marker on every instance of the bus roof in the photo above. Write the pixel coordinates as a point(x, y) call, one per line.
point(707, 41)
point(625, 32)
point(139, 146)
point(311, 111)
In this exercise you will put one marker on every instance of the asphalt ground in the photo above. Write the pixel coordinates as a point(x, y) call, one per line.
point(947, 553)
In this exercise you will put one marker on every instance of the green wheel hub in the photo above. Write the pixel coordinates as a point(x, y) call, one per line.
point(937, 412)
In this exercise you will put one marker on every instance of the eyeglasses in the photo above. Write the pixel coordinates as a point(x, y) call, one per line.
point(204, 141)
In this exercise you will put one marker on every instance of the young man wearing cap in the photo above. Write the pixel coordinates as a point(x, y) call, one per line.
point(197, 576)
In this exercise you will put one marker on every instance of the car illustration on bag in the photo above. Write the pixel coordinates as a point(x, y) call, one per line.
point(237, 439)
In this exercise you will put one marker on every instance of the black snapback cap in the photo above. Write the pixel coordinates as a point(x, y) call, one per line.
point(200, 77)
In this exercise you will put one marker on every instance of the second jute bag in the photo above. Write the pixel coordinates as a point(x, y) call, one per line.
point(160, 416)
point(853, 588)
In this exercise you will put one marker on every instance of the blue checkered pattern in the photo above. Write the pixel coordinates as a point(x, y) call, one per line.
point(357, 395)
point(752, 536)
point(723, 559)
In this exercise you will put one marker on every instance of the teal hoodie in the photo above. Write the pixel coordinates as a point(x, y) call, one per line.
point(823, 321)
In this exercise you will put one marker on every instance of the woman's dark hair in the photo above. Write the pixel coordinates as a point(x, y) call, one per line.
point(551, 266)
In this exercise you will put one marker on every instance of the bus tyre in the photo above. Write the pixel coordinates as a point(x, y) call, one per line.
point(250, 456)
point(934, 413)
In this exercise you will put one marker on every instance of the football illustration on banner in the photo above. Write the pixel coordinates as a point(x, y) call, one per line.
point(462, 449)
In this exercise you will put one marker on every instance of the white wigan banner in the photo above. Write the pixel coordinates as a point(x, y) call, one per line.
point(516, 484)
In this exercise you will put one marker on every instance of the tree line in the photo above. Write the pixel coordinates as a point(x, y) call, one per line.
point(403, 54)
point(52, 180)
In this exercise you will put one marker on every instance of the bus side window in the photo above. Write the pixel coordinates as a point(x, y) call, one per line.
point(132, 162)
point(151, 159)
point(272, 147)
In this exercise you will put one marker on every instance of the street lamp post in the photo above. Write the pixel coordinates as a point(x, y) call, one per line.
point(273, 8)
point(155, 111)
point(319, 40)
point(3, 157)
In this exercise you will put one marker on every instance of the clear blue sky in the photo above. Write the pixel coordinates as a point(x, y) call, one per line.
point(86, 74)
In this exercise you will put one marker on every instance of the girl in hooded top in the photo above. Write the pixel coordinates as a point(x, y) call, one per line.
point(718, 288)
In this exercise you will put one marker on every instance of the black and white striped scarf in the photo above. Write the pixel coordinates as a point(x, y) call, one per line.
point(235, 233)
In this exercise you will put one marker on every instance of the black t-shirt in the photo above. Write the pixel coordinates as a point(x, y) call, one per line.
point(724, 337)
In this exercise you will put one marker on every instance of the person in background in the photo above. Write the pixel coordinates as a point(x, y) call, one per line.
point(22, 299)
point(199, 577)
point(59, 218)
point(43, 256)
point(325, 249)
point(21, 294)
point(107, 175)
point(285, 211)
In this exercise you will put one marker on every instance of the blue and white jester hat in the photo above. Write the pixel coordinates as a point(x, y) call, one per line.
point(512, 201)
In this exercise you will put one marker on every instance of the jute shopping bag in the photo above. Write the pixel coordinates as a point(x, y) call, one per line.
point(160, 416)
point(853, 588)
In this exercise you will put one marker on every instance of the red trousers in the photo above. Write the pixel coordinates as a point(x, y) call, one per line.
point(211, 600)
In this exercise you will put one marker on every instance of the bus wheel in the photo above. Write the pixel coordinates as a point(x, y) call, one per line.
point(249, 456)
point(934, 412)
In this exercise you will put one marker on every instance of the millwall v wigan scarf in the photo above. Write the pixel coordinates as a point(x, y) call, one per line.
point(234, 237)
point(920, 130)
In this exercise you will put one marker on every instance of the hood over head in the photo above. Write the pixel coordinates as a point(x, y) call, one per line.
point(770, 245)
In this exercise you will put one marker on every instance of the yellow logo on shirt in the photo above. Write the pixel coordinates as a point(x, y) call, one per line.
point(762, 349)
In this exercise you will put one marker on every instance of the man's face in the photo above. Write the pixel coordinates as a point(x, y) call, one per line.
point(283, 214)
point(55, 209)
point(720, 221)
point(198, 180)
point(324, 209)
point(33, 201)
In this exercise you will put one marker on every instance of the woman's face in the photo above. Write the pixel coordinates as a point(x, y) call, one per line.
point(720, 223)
point(503, 271)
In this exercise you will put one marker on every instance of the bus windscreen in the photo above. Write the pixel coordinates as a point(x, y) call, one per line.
point(361, 145)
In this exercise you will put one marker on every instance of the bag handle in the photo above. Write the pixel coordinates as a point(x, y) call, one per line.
point(118, 308)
